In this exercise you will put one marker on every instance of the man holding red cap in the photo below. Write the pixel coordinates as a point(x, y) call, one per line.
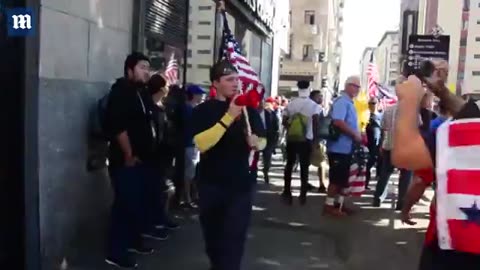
point(225, 182)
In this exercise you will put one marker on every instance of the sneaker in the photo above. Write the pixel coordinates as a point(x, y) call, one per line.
point(332, 211)
point(171, 225)
point(157, 234)
point(302, 199)
point(142, 250)
point(287, 198)
point(345, 209)
point(124, 263)
point(376, 203)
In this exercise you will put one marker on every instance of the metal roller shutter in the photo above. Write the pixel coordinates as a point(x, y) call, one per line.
point(166, 20)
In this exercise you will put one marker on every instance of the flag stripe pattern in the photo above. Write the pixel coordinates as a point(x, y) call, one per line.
point(458, 185)
point(372, 78)
point(171, 71)
point(231, 50)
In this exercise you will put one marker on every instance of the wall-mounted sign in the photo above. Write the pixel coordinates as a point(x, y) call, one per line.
point(426, 47)
point(263, 9)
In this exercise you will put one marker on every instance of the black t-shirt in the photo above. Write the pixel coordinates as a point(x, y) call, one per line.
point(129, 110)
point(227, 163)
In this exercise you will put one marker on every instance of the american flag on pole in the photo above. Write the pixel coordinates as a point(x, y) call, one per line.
point(372, 78)
point(171, 72)
point(231, 50)
point(376, 90)
point(458, 183)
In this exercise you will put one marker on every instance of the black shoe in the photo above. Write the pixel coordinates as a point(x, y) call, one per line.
point(287, 198)
point(322, 189)
point(310, 187)
point(172, 225)
point(303, 199)
point(142, 250)
point(124, 263)
point(399, 207)
point(376, 203)
point(267, 179)
point(157, 234)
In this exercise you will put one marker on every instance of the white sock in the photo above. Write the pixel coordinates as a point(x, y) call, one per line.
point(341, 199)
point(330, 201)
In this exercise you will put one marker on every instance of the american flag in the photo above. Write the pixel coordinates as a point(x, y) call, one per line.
point(231, 50)
point(376, 90)
point(372, 78)
point(171, 72)
point(458, 183)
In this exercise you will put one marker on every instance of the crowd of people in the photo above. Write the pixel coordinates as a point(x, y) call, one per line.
point(222, 143)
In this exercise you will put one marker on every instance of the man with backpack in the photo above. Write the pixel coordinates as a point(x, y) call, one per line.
point(301, 123)
point(340, 149)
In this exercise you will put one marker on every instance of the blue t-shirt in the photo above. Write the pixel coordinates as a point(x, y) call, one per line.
point(343, 109)
point(188, 111)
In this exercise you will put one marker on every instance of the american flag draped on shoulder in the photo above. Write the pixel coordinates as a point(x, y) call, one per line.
point(376, 90)
point(458, 182)
point(249, 82)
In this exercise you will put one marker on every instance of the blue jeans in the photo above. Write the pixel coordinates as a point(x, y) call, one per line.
point(381, 191)
point(127, 216)
point(225, 218)
point(154, 199)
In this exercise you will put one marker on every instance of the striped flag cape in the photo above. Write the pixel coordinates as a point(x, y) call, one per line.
point(171, 71)
point(458, 182)
point(386, 96)
point(249, 82)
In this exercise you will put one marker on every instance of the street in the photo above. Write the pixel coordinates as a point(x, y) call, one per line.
point(283, 237)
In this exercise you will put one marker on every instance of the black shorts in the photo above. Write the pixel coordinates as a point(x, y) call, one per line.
point(433, 258)
point(339, 169)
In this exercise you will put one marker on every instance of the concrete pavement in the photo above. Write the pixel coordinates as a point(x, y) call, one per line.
point(298, 237)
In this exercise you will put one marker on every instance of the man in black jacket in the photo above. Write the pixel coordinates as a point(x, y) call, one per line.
point(132, 137)
point(272, 127)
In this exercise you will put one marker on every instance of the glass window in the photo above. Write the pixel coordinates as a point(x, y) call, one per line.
point(204, 37)
point(204, 23)
point(204, 51)
point(477, 39)
point(476, 73)
point(203, 66)
point(309, 17)
point(307, 52)
point(476, 56)
point(204, 7)
point(463, 42)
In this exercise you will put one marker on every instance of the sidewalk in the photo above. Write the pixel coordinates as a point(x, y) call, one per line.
point(295, 238)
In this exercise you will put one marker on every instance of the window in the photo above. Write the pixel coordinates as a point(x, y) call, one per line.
point(463, 42)
point(206, 37)
point(462, 58)
point(477, 39)
point(290, 19)
point(465, 24)
point(204, 51)
point(189, 53)
point(307, 52)
point(204, 23)
point(476, 73)
point(205, 8)
point(189, 38)
point(310, 17)
point(466, 5)
point(476, 56)
point(478, 21)
point(189, 65)
point(290, 46)
point(203, 66)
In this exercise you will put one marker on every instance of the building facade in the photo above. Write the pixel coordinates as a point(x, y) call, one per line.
point(387, 58)
point(313, 41)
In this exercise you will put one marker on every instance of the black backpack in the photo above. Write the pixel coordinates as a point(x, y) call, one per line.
point(98, 139)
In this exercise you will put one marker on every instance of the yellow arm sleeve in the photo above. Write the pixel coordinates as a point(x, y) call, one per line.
point(209, 138)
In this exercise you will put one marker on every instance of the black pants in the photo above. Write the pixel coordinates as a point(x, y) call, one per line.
point(303, 151)
point(267, 158)
point(433, 258)
point(225, 218)
point(128, 210)
point(373, 159)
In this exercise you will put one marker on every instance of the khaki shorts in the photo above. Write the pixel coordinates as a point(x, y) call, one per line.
point(192, 157)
